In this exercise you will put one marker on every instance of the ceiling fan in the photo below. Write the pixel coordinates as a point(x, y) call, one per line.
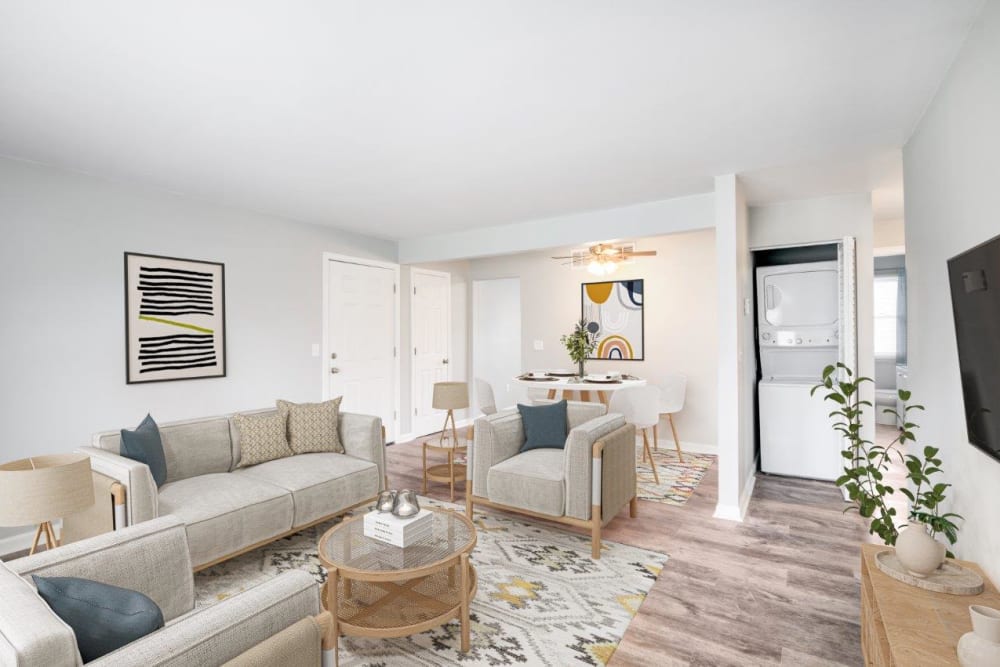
point(603, 259)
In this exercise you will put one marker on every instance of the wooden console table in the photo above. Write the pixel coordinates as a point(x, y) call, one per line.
point(906, 626)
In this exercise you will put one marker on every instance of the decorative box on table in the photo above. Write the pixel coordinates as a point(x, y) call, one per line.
point(400, 532)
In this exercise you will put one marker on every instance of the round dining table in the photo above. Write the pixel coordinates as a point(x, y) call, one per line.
point(585, 390)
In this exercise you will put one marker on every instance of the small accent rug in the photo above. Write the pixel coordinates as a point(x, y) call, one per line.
point(541, 599)
point(677, 480)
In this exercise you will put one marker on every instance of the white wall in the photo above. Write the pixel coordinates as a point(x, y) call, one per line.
point(737, 464)
point(889, 234)
point(62, 300)
point(496, 337)
point(646, 219)
point(952, 204)
point(680, 317)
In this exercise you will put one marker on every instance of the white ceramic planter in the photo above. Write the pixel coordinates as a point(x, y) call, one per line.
point(917, 551)
point(981, 647)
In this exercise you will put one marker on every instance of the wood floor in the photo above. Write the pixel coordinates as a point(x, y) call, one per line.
point(780, 588)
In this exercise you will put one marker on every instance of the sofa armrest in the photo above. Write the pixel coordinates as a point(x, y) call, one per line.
point(140, 489)
point(30, 633)
point(150, 557)
point(225, 630)
point(362, 438)
point(496, 438)
point(578, 461)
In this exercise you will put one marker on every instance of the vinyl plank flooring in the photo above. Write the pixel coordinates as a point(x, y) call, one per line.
point(781, 588)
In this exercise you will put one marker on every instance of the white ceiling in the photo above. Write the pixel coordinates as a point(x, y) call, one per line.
point(401, 119)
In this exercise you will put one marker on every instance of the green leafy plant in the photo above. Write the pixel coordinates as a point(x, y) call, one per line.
point(866, 463)
point(580, 344)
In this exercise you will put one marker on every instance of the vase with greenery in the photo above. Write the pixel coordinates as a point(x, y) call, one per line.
point(866, 463)
point(580, 344)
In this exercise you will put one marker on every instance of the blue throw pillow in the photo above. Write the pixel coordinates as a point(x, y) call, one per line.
point(544, 426)
point(144, 445)
point(103, 617)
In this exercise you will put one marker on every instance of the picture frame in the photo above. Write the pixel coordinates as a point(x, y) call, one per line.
point(614, 310)
point(175, 319)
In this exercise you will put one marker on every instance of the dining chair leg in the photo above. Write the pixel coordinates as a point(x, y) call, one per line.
point(425, 469)
point(652, 463)
point(656, 437)
point(677, 441)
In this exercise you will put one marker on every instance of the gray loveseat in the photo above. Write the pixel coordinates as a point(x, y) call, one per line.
point(152, 557)
point(229, 510)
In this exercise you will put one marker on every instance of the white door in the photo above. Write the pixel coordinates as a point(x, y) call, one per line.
point(361, 339)
point(430, 329)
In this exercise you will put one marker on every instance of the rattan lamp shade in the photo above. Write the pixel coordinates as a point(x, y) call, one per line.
point(450, 395)
point(43, 488)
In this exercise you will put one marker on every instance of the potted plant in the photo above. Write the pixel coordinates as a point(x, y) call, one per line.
point(865, 466)
point(580, 344)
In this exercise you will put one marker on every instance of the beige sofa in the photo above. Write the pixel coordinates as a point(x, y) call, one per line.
point(229, 510)
point(276, 622)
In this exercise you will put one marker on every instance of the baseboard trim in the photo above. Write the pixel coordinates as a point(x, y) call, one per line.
point(693, 447)
point(739, 512)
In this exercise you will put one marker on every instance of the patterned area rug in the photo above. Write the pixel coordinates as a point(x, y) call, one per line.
point(541, 599)
point(677, 480)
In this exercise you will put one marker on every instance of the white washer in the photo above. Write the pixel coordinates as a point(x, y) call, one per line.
point(796, 433)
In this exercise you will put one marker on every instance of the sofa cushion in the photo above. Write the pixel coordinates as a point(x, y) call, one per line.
point(144, 445)
point(544, 425)
point(262, 438)
point(31, 633)
point(225, 512)
point(532, 480)
point(103, 617)
point(313, 427)
point(320, 483)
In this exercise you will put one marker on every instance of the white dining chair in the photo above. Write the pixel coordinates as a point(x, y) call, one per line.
point(672, 392)
point(485, 400)
point(639, 406)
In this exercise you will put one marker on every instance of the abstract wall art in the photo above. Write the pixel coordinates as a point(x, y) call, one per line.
point(175, 318)
point(613, 311)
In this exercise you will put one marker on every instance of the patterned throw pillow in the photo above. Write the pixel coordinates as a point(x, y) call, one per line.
point(313, 427)
point(262, 438)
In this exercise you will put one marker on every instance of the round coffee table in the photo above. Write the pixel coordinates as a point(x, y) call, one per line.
point(375, 589)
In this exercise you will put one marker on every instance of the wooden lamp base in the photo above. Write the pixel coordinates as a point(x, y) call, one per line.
point(51, 542)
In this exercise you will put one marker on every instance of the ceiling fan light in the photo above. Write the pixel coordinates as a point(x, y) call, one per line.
point(596, 267)
point(610, 267)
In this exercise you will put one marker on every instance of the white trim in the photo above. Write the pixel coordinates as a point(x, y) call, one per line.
point(413, 375)
point(325, 343)
point(739, 512)
point(889, 251)
point(693, 447)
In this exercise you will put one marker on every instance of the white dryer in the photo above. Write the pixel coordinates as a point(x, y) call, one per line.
point(798, 318)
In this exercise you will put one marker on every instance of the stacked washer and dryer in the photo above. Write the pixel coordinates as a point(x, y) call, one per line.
point(798, 328)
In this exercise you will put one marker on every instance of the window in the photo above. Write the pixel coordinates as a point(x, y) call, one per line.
point(887, 315)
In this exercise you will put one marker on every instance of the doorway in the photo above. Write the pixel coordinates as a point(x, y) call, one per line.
point(496, 337)
point(361, 337)
point(430, 338)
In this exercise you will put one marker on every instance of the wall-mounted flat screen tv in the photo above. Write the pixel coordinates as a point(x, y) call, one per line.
point(975, 299)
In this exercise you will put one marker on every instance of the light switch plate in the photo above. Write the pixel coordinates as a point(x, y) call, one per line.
point(539, 345)
point(746, 306)
point(315, 349)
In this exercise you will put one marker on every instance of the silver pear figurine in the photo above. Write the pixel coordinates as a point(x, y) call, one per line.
point(406, 504)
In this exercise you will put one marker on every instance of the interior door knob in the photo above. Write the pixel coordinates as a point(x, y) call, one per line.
point(334, 370)
point(444, 361)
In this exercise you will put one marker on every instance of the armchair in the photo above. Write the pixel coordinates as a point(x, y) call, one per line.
point(585, 484)
point(152, 557)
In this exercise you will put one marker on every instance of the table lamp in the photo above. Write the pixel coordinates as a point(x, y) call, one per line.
point(39, 489)
point(450, 396)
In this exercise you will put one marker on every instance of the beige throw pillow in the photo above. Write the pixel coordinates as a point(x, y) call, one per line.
point(313, 427)
point(262, 438)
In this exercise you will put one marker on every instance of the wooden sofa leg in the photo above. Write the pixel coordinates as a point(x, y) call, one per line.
point(633, 507)
point(595, 532)
point(468, 498)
